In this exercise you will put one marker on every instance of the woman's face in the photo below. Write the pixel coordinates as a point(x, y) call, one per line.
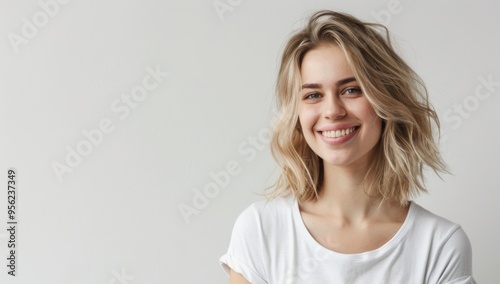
point(337, 120)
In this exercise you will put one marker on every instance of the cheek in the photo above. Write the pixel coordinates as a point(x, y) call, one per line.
point(366, 112)
point(307, 121)
point(302, 127)
point(373, 120)
point(307, 117)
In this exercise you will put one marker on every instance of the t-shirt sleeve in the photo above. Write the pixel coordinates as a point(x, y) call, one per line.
point(245, 252)
point(455, 261)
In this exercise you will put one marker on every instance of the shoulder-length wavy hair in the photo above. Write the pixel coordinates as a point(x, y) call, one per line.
point(395, 91)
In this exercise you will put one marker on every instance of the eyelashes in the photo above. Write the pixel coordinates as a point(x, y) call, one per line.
point(350, 91)
point(312, 96)
point(353, 90)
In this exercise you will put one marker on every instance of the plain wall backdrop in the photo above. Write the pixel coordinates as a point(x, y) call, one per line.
point(139, 129)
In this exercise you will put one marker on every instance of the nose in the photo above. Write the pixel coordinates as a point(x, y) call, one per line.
point(334, 108)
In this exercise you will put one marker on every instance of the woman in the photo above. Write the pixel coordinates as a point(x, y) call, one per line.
point(354, 134)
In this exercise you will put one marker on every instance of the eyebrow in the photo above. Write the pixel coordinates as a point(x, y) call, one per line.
point(339, 83)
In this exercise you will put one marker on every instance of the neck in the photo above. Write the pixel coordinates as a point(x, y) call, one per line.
point(342, 193)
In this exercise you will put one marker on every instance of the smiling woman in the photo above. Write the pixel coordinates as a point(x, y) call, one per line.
point(353, 137)
point(337, 120)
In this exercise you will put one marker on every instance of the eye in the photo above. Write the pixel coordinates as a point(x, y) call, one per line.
point(352, 91)
point(312, 96)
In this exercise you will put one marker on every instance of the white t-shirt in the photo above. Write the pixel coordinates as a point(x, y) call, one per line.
point(271, 244)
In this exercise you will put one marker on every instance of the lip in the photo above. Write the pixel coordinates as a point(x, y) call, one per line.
point(339, 140)
point(337, 127)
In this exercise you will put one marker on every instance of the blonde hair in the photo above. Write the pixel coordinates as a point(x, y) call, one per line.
point(395, 91)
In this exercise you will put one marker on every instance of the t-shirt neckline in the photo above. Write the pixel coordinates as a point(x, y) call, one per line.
point(388, 246)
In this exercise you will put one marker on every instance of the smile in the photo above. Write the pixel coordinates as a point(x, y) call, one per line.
point(338, 133)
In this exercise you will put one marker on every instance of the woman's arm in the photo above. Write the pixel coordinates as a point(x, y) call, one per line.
point(236, 278)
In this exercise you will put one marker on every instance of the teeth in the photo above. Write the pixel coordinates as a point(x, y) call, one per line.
point(337, 133)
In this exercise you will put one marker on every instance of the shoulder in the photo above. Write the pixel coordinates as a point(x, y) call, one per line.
point(257, 230)
point(441, 230)
point(449, 248)
point(426, 221)
point(274, 205)
point(265, 214)
point(265, 223)
point(444, 232)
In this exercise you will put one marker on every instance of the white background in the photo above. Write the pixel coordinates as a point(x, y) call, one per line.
point(115, 217)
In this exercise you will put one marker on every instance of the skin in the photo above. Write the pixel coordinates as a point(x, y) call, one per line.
point(343, 219)
point(331, 98)
point(237, 278)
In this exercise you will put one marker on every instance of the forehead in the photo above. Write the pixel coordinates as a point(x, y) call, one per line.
point(323, 63)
